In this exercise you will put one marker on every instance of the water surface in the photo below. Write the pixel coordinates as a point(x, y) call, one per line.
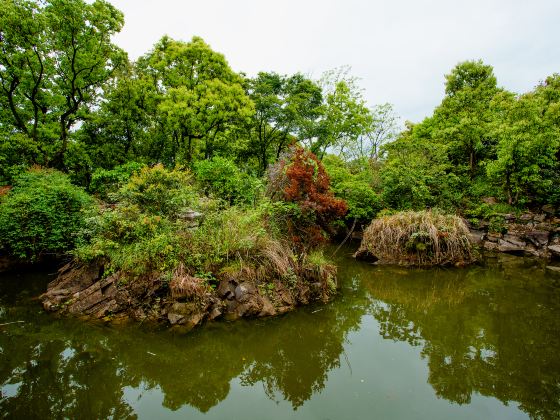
point(482, 342)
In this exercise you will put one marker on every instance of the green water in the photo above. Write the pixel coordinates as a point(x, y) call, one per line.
point(482, 342)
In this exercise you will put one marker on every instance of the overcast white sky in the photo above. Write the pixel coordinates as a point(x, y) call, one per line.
point(400, 49)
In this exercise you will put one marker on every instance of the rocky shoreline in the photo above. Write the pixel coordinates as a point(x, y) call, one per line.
point(529, 234)
point(83, 290)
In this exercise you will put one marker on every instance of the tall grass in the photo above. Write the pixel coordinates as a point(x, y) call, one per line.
point(423, 238)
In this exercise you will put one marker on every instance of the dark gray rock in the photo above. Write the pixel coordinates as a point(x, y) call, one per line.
point(538, 238)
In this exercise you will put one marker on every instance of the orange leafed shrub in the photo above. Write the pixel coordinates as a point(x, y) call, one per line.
point(300, 178)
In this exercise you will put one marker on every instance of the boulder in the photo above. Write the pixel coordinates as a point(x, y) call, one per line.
point(548, 209)
point(554, 250)
point(244, 291)
point(538, 238)
point(526, 217)
point(493, 237)
point(511, 243)
point(477, 236)
point(539, 218)
point(490, 246)
point(552, 269)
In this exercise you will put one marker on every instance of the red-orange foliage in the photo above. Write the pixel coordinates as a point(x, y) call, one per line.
point(306, 183)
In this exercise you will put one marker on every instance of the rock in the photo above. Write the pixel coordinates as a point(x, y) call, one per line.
point(526, 217)
point(477, 236)
point(539, 218)
point(511, 243)
point(268, 308)
point(538, 238)
point(509, 217)
point(552, 269)
point(214, 313)
point(549, 209)
point(175, 318)
point(226, 289)
point(185, 313)
point(490, 246)
point(493, 237)
point(533, 251)
point(243, 292)
point(554, 250)
point(365, 255)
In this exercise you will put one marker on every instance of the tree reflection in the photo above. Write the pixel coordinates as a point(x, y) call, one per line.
point(479, 333)
point(73, 369)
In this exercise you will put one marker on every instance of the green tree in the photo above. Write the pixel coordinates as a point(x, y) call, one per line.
point(462, 121)
point(199, 97)
point(285, 107)
point(54, 58)
point(42, 214)
point(527, 165)
point(417, 172)
point(345, 115)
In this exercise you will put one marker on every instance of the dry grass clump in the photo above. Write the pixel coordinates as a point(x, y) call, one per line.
point(183, 285)
point(423, 238)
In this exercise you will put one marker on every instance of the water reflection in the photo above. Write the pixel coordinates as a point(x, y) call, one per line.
point(488, 331)
point(491, 332)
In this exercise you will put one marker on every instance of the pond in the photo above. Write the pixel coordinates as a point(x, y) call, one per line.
point(480, 342)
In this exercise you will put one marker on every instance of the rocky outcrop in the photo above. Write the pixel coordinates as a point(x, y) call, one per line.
point(85, 290)
point(528, 234)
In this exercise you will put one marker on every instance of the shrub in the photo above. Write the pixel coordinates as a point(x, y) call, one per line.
point(422, 238)
point(222, 178)
point(159, 191)
point(42, 214)
point(354, 188)
point(300, 178)
point(107, 181)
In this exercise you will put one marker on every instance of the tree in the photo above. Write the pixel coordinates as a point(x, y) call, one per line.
point(199, 97)
point(285, 107)
point(417, 172)
point(527, 165)
point(463, 118)
point(381, 130)
point(54, 58)
point(345, 116)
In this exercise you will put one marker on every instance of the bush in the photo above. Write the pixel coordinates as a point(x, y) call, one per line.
point(42, 214)
point(107, 181)
point(422, 238)
point(354, 188)
point(300, 178)
point(222, 179)
point(158, 191)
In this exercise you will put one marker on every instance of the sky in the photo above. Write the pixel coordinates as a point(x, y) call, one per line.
point(399, 49)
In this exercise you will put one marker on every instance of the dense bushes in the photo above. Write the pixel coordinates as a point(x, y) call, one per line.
point(221, 178)
point(353, 184)
point(41, 214)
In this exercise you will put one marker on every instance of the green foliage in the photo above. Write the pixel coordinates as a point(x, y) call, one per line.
point(42, 214)
point(158, 191)
point(107, 181)
point(527, 166)
point(142, 232)
point(353, 186)
point(417, 173)
point(54, 59)
point(221, 178)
